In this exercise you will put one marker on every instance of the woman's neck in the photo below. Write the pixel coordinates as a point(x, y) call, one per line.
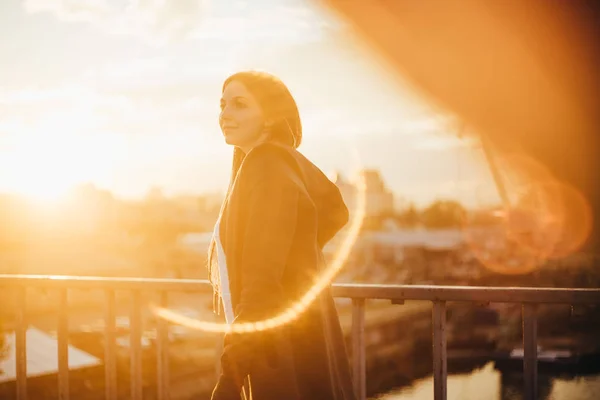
point(248, 149)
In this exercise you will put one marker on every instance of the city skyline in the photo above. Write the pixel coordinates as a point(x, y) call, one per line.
point(126, 97)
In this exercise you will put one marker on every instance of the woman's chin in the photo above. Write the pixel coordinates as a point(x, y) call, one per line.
point(230, 140)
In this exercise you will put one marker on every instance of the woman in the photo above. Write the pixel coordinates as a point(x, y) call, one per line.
point(279, 212)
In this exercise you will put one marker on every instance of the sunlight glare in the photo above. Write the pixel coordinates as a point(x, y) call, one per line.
point(57, 153)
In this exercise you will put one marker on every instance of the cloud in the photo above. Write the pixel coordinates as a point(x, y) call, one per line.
point(159, 110)
point(162, 21)
point(71, 10)
point(156, 20)
point(28, 110)
point(141, 68)
point(442, 142)
point(60, 97)
point(288, 24)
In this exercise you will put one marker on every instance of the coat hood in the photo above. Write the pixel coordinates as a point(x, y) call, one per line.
point(332, 212)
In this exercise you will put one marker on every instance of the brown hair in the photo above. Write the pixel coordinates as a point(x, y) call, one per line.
point(279, 107)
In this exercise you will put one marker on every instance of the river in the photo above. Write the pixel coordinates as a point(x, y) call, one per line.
point(490, 384)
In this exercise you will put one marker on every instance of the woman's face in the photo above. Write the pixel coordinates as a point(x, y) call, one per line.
point(241, 118)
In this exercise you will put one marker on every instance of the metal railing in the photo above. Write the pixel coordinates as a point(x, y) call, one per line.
point(438, 295)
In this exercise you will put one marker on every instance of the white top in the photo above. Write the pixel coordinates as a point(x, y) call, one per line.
point(223, 275)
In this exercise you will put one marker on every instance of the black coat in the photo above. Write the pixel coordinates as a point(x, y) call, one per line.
point(281, 211)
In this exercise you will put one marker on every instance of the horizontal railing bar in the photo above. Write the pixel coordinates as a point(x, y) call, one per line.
point(469, 293)
point(357, 291)
point(113, 283)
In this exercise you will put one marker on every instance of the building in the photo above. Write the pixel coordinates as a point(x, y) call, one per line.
point(379, 199)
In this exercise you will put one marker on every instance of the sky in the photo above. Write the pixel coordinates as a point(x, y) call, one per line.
point(125, 94)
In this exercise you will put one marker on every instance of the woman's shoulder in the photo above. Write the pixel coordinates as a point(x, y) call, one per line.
point(269, 159)
point(269, 151)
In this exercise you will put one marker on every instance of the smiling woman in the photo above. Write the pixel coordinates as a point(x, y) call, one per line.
point(46, 160)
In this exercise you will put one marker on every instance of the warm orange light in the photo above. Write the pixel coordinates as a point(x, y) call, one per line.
point(55, 154)
point(546, 219)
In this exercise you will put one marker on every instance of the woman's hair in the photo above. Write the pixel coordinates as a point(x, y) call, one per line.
point(280, 109)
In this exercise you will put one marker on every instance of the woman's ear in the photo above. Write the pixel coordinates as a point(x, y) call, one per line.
point(269, 124)
point(268, 127)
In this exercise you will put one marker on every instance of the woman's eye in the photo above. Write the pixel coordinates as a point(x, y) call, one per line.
point(239, 104)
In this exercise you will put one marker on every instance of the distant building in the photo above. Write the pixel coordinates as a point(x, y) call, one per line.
point(379, 199)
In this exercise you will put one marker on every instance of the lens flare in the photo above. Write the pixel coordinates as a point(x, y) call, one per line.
point(576, 221)
point(545, 219)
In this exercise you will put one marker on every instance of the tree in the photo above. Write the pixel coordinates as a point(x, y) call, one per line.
point(409, 217)
point(443, 214)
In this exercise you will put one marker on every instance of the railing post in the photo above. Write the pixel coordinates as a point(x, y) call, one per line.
point(530, 350)
point(21, 344)
point(63, 345)
point(218, 348)
point(440, 371)
point(135, 345)
point(110, 352)
point(162, 352)
point(359, 360)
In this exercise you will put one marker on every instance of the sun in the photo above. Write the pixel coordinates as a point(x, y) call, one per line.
point(49, 159)
point(43, 173)
point(44, 177)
